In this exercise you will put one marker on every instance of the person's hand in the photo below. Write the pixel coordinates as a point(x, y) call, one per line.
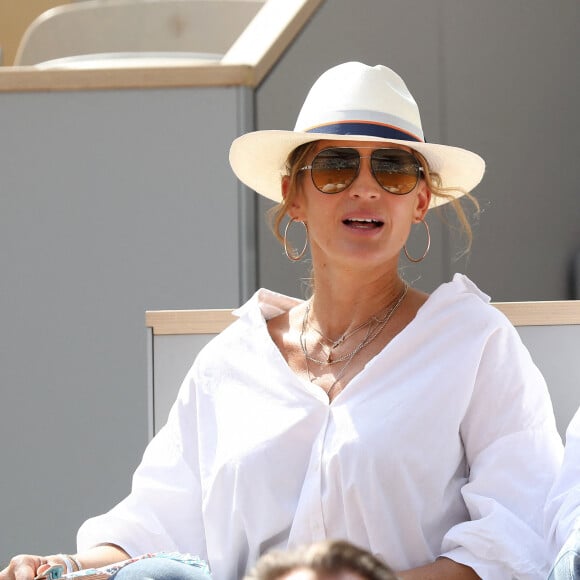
point(26, 566)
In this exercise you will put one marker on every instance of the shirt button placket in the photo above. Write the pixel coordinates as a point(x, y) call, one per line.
point(318, 528)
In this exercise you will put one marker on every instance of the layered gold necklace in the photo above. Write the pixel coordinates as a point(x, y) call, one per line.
point(374, 326)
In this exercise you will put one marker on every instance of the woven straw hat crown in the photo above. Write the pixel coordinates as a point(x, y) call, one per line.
point(352, 101)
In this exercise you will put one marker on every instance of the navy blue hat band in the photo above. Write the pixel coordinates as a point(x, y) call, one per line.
point(369, 129)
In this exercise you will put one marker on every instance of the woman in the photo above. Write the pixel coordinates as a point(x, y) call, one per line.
point(563, 509)
point(414, 426)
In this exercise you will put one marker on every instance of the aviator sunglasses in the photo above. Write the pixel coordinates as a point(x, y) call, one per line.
point(334, 169)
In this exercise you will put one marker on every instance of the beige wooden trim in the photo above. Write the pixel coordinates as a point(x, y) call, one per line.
point(269, 34)
point(541, 313)
point(188, 321)
point(29, 78)
point(164, 322)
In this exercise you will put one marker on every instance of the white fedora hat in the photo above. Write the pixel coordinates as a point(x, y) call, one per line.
point(352, 101)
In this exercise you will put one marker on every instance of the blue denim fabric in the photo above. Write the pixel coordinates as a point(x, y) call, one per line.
point(567, 566)
point(160, 569)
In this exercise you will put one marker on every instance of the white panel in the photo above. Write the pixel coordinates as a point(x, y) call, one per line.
point(555, 350)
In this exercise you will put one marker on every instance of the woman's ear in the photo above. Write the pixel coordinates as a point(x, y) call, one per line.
point(285, 185)
point(295, 206)
point(423, 201)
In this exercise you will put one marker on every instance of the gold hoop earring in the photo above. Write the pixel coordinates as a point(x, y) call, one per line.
point(417, 260)
point(290, 254)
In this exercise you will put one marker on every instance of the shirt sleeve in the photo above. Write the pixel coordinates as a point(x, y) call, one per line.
point(163, 510)
point(513, 450)
point(563, 505)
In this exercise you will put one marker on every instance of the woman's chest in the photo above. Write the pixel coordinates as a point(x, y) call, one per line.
point(381, 422)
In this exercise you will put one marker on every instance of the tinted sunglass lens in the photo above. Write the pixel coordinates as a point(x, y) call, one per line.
point(333, 170)
point(396, 170)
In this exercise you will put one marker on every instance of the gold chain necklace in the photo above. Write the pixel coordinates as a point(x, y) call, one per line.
point(378, 318)
point(372, 333)
point(336, 343)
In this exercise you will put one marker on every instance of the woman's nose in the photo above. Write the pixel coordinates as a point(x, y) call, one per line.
point(365, 185)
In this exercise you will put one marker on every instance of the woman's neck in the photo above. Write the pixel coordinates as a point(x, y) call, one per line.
point(343, 301)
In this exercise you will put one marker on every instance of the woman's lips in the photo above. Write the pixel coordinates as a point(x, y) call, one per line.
point(363, 223)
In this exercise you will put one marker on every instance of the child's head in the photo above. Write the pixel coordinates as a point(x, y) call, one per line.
point(332, 560)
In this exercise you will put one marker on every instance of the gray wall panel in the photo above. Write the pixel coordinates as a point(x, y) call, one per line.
point(512, 71)
point(111, 203)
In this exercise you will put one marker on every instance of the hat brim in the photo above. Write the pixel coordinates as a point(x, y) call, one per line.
point(259, 160)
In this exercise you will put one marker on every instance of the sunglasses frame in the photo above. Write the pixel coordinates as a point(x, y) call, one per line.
point(420, 171)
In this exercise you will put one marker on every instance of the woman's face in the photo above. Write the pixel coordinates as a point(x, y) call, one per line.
point(362, 225)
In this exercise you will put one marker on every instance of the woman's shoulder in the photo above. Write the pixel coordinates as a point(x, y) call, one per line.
point(461, 302)
point(264, 305)
point(251, 319)
point(460, 287)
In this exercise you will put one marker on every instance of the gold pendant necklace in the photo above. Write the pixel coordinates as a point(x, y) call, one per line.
point(372, 333)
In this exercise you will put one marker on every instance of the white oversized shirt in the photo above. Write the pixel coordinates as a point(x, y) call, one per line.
point(563, 506)
point(445, 444)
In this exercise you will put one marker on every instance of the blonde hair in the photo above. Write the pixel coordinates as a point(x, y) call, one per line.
point(295, 161)
point(298, 157)
point(326, 559)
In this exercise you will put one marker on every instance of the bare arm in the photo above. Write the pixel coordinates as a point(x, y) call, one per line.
point(101, 556)
point(441, 569)
point(26, 567)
